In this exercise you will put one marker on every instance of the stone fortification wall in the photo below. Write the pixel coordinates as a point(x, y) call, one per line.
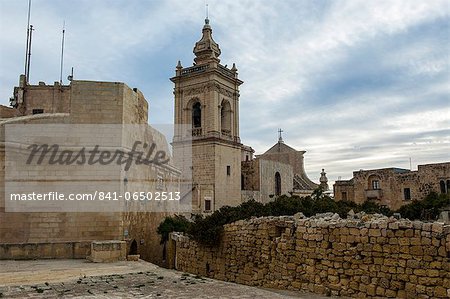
point(367, 256)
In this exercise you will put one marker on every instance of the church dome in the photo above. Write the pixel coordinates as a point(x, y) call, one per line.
point(206, 49)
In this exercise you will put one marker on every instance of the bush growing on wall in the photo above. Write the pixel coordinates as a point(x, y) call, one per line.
point(208, 230)
point(176, 223)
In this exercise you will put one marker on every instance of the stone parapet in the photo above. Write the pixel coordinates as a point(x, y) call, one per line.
point(45, 250)
point(108, 251)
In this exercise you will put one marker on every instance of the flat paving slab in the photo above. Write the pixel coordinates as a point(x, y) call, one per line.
point(83, 279)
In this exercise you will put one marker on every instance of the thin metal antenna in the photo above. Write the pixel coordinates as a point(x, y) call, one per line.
point(28, 37)
point(207, 11)
point(62, 53)
point(29, 54)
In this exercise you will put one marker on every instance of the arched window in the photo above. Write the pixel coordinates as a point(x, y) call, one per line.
point(197, 115)
point(448, 186)
point(442, 185)
point(277, 184)
point(225, 117)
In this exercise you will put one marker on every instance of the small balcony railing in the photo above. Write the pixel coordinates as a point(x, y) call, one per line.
point(196, 132)
point(226, 71)
point(373, 193)
point(226, 132)
point(194, 69)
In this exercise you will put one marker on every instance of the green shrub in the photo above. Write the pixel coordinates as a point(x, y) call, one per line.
point(427, 209)
point(170, 224)
point(285, 205)
point(208, 230)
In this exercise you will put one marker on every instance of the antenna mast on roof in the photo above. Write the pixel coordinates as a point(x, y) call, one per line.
point(207, 10)
point(29, 54)
point(62, 53)
point(28, 46)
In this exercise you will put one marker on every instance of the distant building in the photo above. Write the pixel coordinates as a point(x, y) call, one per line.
point(280, 170)
point(394, 187)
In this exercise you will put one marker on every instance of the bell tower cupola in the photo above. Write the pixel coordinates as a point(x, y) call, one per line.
point(206, 49)
point(207, 93)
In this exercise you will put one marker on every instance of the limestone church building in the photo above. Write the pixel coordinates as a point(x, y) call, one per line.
point(224, 171)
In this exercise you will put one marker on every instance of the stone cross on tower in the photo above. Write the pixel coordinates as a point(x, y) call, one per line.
point(280, 138)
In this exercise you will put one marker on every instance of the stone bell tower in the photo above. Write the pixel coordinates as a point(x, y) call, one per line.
point(207, 100)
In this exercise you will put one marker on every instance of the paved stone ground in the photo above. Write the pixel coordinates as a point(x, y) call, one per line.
point(82, 279)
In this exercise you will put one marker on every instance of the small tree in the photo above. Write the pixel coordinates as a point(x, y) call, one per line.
point(170, 224)
point(318, 193)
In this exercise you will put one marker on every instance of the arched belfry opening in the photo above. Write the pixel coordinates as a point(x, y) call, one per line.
point(225, 117)
point(277, 184)
point(197, 115)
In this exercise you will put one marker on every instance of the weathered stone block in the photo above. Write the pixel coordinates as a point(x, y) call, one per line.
point(108, 251)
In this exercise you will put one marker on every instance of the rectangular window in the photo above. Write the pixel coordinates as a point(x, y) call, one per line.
point(442, 185)
point(208, 204)
point(376, 185)
point(228, 170)
point(38, 111)
point(407, 194)
point(344, 195)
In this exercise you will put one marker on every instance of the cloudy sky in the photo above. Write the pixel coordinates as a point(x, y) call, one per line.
point(357, 84)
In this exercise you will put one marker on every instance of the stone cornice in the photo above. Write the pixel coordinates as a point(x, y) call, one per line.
point(216, 140)
point(210, 86)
